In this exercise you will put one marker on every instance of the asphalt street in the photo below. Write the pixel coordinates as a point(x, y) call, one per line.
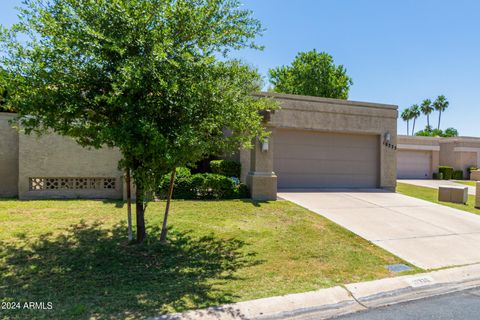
point(464, 305)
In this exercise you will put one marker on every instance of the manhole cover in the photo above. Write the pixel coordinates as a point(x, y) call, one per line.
point(398, 267)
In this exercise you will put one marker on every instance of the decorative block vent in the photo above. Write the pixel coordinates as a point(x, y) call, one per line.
point(36, 184)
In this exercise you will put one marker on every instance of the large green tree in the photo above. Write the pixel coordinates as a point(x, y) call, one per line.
point(312, 73)
point(451, 132)
point(4, 105)
point(140, 75)
point(429, 132)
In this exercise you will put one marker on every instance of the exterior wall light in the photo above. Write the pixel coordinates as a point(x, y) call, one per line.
point(388, 137)
point(265, 145)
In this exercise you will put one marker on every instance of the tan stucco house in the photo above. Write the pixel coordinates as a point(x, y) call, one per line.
point(315, 143)
point(323, 143)
point(52, 166)
point(419, 157)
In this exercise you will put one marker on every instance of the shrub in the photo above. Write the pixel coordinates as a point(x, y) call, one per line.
point(435, 176)
point(197, 182)
point(458, 175)
point(213, 186)
point(242, 192)
point(183, 172)
point(446, 171)
point(228, 168)
point(183, 189)
point(182, 185)
point(216, 186)
point(202, 186)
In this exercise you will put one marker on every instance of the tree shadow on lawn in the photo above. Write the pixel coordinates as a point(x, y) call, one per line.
point(117, 203)
point(91, 272)
point(256, 203)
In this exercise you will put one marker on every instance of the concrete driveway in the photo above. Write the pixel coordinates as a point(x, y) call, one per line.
point(425, 234)
point(436, 183)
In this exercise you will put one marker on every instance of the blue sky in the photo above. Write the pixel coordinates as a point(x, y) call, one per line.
point(397, 52)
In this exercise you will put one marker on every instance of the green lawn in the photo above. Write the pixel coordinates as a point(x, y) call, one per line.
point(466, 182)
point(74, 254)
point(431, 194)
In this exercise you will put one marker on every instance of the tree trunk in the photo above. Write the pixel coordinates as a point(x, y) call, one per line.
point(140, 211)
point(413, 128)
point(439, 118)
point(428, 120)
point(163, 235)
point(129, 204)
point(408, 127)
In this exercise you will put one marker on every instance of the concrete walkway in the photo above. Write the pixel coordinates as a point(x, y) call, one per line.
point(436, 183)
point(425, 234)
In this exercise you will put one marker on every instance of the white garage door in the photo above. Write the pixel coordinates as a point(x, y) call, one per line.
point(414, 164)
point(309, 159)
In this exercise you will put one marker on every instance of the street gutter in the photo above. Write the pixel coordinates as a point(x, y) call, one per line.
point(337, 301)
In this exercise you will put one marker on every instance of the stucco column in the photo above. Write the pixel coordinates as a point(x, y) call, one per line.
point(261, 179)
point(388, 161)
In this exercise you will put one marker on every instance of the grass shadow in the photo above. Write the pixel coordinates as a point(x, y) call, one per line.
point(90, 272)
point(117, 203)
point(8, 199)
point(255, 203)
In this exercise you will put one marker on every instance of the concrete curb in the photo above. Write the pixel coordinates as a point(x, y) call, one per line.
point(336, 301)
point(405, 288)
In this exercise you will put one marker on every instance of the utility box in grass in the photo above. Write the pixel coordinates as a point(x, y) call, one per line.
point(453, 194)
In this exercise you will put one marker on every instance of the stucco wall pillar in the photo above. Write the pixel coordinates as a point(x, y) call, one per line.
point(388, 161)
point(245, 155)
point(261, 179)
point(435, 161)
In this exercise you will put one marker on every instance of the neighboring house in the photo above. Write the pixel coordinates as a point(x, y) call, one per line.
point(419, 157)
point(315, 143)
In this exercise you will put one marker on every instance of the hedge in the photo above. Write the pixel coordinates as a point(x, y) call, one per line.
point(458, 175)
point(447, 172)
point(202, 186)
point(227, 168)
point(437, 176)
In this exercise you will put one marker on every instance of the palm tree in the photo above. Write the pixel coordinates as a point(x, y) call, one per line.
point(407, 116)
point(440, 104)
point(415, 113)
point(427, 109)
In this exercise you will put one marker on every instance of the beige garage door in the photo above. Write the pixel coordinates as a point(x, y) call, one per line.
point(414, 164)
point(309, 159)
